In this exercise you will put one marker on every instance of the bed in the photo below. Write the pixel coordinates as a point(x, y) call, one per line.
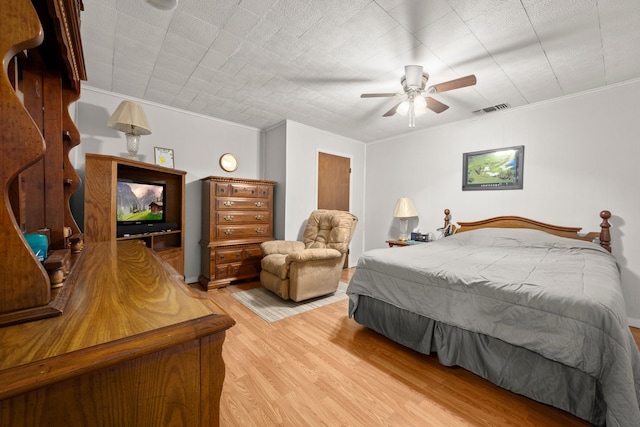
point(532, 307)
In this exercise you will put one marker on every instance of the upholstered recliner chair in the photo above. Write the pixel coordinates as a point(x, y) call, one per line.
point(311, 268)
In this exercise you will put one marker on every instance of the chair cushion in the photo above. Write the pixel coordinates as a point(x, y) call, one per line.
point(280, 247)
point(276, 264)
point(329, 229)
point(312, 254)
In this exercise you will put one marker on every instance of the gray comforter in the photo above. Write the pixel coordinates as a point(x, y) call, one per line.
point(558, 297)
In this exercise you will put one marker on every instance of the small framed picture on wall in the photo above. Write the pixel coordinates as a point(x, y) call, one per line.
point(164, 157)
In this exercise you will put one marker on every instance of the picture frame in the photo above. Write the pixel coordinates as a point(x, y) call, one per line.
point(164, 157)
point(495, 169)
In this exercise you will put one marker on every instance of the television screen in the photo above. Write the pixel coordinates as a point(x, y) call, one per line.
point(140, 202)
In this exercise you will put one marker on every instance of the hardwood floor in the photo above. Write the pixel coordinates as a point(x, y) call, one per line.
point(321, 368)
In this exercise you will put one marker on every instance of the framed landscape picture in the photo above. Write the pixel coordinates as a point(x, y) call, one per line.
point(497, 169)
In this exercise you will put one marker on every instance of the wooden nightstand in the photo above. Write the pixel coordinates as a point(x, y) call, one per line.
point(393, 243)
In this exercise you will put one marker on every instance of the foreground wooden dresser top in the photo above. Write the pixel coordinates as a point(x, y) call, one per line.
point(130, 322)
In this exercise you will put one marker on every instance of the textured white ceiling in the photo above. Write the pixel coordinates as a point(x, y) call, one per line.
point(259, 62)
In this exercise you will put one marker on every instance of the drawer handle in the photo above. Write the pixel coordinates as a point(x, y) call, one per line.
point(228, 231)
point(260, 230)
point(259, 217)
point(228, 217)
point(228, 203)
point(259, 204)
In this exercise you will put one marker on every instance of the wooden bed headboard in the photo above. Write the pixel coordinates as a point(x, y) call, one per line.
point(520, 222)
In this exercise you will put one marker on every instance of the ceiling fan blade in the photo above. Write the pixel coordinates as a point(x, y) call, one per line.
point(392, 111)
point(377, 95)
point(453, 84)
point(435, 105)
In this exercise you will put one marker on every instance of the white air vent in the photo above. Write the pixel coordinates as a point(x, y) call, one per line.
point(492, 109)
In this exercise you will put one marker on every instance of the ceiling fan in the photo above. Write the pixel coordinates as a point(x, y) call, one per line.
point(417, 98)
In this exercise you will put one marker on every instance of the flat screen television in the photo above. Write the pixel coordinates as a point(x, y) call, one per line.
point(139, 203)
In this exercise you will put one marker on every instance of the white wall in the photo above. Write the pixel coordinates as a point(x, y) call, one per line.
point(198, 142)
point(274, 152)
point(581, 156)
point(303, 144)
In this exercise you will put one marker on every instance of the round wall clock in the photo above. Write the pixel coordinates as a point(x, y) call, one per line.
point(229, 162)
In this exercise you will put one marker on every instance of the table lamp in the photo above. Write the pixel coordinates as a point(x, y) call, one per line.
point(404, 209)
point(130, 119)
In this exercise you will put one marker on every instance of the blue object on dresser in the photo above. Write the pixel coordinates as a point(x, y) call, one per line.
point(39, 244)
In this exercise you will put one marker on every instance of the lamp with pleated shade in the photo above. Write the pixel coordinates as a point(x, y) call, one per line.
point(130, 119)
point(404, 210)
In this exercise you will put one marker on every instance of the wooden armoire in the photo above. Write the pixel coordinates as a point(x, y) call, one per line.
point(117, 338)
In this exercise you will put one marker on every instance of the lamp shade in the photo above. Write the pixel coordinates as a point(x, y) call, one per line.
point(130, 118)
point(404, 208)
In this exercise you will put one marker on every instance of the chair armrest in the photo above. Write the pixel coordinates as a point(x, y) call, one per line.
point(283, 247)
point(312, 254)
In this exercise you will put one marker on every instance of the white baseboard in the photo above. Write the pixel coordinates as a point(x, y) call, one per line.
point(634, 322)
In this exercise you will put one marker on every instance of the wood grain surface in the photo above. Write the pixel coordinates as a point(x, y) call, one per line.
point(134, 346)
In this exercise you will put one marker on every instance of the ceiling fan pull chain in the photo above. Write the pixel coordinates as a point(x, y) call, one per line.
point(412, 113)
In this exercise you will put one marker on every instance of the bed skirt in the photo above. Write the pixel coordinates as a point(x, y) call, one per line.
point(513, 368)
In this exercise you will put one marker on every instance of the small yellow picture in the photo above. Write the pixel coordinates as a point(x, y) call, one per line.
point(164, 157)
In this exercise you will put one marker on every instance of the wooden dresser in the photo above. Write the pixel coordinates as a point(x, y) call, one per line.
point(237, 215)
point(122, 340)
point(136, 346)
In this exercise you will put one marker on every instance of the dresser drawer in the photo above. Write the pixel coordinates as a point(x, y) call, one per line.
point(223, 189)
point(236, 190)
point(244, 190)
point(228, 255)
point(243, 217)
point(233, 203)
point(242, 270)
point(231, 232)
point(237, 253)
point(253, 252)
point(238, 270)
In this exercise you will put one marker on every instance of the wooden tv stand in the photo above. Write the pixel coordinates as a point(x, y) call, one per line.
point(101, 175)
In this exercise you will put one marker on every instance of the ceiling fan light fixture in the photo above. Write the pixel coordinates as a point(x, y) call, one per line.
point(420, 111)
point(403, 108)
point(163, 4)
point(419, 102)
point(413, 76)
point(417, 98)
